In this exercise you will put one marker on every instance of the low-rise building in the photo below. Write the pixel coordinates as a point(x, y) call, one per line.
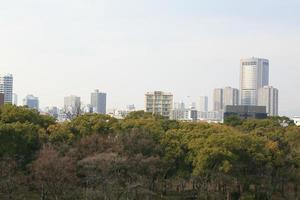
point(246, 112)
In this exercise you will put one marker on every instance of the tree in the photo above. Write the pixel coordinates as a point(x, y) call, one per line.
point(54, 175)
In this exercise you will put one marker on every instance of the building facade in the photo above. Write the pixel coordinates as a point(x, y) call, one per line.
point(254, 74)
point(230, 96)
point(6, 87)
point(268, 96)
point(246, 112)
point(31, 102)
point(218, 99)
point(98, 102)
point(159, 102)
point(202, 104)
point(72, 106)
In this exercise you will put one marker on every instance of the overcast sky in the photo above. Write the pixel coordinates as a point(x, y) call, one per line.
point(56, 48)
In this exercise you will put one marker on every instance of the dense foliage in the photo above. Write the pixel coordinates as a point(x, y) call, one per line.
point(146, 156)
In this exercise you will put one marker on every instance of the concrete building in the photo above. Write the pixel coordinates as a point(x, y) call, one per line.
point(31, 102)
point(159, 102)
point(230, 96)
point(72, 106)
point(246, 112)
point(202, 104)
point(1, 99)
point(223, 97)
point(268, 96)
point(6, 87)
point(98, 102)
point(218, 99)
point(254, 74)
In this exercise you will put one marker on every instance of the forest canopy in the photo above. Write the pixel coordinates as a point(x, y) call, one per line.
point(145, 156)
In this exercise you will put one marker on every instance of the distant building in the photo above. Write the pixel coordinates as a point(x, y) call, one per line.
point(268, 96)
point(31, 102)
point(202, 104)
point(179, 105)
point(130, 107)
point(297, 120)
point(225, 96)
point(184, 114)
point(254, 74)
point(230, 97)
point(159, 102)
point(52, 111)
point(6, 87)
point(1, 99)
point(98, 102)
point(72, 106)
point(218, 99)
point(15, 99)
point(246, 112)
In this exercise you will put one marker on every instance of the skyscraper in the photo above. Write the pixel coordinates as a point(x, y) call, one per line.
point(230, 96)
point(202, 104)
point(218, 99)
point(254, 74)
point(159, 102)
point(268, 96)
point(98, 102)
point(6, 87)
point(31, 102)
point(72, 106)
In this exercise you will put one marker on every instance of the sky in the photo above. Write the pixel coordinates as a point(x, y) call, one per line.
point(56, 48)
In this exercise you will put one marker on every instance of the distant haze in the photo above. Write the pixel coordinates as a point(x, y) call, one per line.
point(56, 48)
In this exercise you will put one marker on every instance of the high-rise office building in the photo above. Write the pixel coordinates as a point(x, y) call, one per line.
point(202, 104)
point(254, 74)
point(230, 97)
point(31, 102)
point(218, 99)
point(98, 102)
point(159, 102)
point(268, 96)
point(72, 105)
point(15, 99)
point(6, 87)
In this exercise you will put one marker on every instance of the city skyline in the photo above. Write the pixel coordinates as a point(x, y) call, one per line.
point(252, 72)
point(185, 48)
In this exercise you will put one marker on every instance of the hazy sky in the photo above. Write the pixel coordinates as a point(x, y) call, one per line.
point(56, 48)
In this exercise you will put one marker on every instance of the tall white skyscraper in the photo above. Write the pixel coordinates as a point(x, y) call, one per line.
point(31, 102)
point(6, 87)
point(159, 102)
point(98, 102)
point(218, 99)
point(254, 74)
point(268, 96)
point(230, 97)
point(202, 104)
